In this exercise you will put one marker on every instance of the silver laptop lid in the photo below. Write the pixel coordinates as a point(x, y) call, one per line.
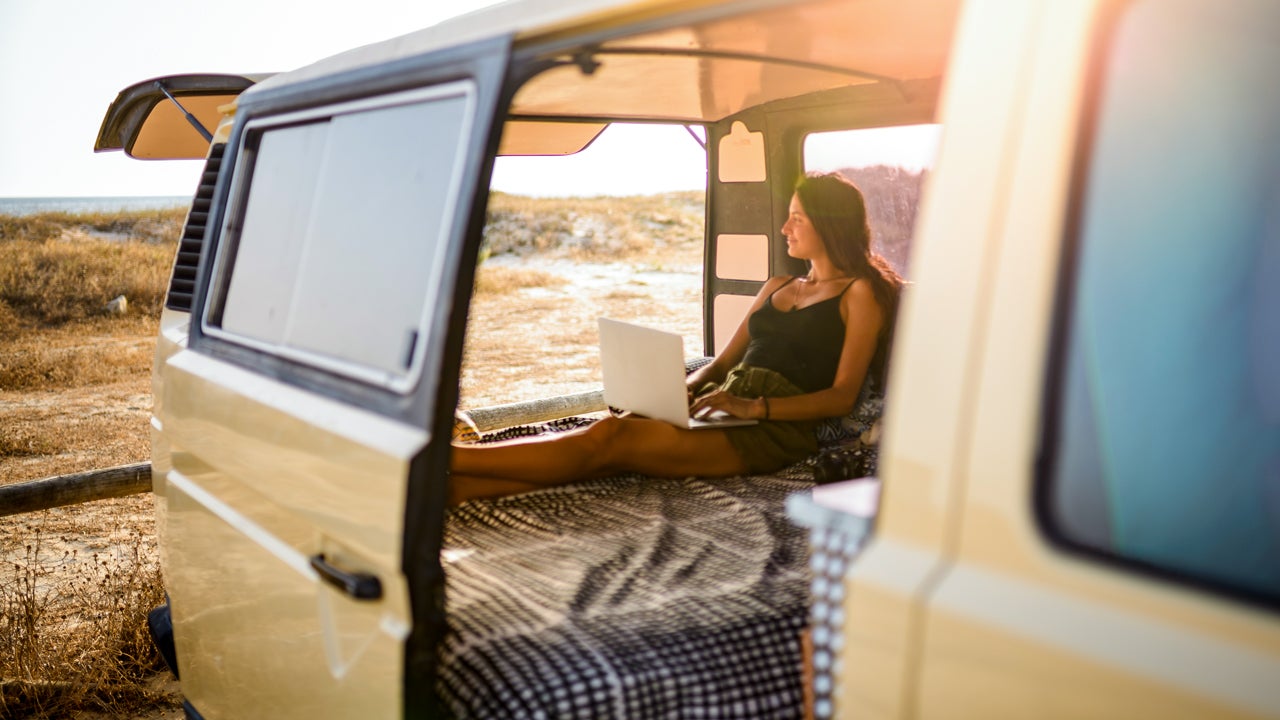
point(644, 371)
point(644, 374)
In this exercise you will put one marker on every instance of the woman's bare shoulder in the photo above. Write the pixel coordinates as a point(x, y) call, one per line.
point(776, 282)
point(860, 300)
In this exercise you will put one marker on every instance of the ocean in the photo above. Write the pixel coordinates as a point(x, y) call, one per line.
point(34, 205)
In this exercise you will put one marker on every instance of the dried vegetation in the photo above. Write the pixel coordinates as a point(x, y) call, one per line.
point(76, 583)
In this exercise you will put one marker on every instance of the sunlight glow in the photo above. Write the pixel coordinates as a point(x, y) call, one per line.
point(912, 147)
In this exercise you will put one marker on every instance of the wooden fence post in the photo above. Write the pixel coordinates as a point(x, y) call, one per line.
point(75, 488)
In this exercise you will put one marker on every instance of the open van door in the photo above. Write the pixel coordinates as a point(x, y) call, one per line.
point(171, 117)
point(346, 208)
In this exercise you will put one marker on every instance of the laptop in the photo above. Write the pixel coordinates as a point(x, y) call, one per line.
point(644, 374)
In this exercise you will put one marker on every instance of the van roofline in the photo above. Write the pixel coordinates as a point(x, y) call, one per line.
point(528, 21)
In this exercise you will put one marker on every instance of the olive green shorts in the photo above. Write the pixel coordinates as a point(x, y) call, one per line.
point(769, 444)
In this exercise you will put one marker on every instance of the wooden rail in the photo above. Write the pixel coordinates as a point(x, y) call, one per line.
point(75, 488)
point(535, 411)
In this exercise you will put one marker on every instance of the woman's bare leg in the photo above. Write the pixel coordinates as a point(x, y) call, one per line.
point(465, 487)
point(612, 445)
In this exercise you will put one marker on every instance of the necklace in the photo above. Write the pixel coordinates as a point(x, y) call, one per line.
point(799, 296)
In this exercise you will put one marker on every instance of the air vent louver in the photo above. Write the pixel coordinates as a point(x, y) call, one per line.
point(182, 284)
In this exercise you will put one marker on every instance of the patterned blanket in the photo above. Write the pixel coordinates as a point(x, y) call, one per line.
point(628, 597)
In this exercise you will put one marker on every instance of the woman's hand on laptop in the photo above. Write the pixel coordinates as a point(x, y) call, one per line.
point(719, 400)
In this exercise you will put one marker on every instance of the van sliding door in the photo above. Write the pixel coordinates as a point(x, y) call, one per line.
point(304, 435)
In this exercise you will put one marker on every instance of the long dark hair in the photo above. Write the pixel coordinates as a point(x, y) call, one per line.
point(839, 213)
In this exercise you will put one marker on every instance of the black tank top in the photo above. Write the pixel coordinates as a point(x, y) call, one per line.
point(803, 344)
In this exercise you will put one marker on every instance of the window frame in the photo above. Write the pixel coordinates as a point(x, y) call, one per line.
point(901, 265)
point(1106, 27)
point(237, 199)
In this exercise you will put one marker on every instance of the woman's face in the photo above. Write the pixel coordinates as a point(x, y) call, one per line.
point(803, 241)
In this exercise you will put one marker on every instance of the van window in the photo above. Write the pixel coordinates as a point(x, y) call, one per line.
point(1163, 434)
point(342, 222)
point(889, 165)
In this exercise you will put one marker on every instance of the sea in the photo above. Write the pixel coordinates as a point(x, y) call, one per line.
point(34, 205)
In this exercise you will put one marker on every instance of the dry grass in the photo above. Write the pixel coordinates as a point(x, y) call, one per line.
point(553, 266)
point(600, 229)
point(504, 280)
point(77, 354)
point(76, 629)
point(49, 279)
point(76, 583)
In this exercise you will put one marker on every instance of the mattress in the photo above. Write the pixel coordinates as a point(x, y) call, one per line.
point(628, 597)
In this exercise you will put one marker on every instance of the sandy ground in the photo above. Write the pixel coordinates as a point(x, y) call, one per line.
point(542, 341)
point(522, 344)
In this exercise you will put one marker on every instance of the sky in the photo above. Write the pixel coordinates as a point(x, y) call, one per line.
point(62, 62)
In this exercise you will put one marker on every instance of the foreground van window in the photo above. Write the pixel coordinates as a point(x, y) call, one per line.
point(1167, 451)
point(327, 189)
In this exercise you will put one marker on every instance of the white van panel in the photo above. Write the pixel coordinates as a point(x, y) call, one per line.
point(264, 477)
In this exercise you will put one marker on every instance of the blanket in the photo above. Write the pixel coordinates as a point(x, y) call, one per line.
point(628, 597)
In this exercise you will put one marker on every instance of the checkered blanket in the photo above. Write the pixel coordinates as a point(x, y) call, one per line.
point(628, 597)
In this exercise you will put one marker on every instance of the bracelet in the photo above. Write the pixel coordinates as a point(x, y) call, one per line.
point(766, 406)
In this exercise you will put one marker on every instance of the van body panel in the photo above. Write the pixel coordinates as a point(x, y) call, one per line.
point(263, 478)
point(327, 656)
point(941, 316)
point(307, 455)
point(1017, 626)
point(531, 22)
point(1001, 647)
point(305, 477)
point(882, 589)
point(172, 337)
point(956, 237)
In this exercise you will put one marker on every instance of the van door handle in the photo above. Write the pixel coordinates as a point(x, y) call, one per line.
point(359, 585)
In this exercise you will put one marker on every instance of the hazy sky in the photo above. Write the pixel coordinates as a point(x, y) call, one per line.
point(62, 62)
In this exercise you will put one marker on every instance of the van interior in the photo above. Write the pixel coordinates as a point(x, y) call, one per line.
point(755, 100)
point(689, 593)
point(557, 254)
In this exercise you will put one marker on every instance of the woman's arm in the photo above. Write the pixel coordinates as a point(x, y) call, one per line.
point(862, 320)
point(718, 368)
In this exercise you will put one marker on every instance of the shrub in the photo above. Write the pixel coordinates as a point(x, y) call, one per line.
point(598, 228)
point(50, 282)
point(75, 630)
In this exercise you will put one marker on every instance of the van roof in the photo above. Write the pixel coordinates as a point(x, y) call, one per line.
point(699, 71)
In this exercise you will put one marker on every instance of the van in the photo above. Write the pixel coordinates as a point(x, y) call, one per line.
point(1079, 478)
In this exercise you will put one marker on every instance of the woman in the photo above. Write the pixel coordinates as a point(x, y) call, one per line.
point(803, 354)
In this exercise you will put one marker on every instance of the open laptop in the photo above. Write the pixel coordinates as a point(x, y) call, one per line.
point(644, 374)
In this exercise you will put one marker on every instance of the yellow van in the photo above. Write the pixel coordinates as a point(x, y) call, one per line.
point(1079, 478)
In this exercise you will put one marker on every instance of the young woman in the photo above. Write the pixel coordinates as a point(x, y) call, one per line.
point(803, 353)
